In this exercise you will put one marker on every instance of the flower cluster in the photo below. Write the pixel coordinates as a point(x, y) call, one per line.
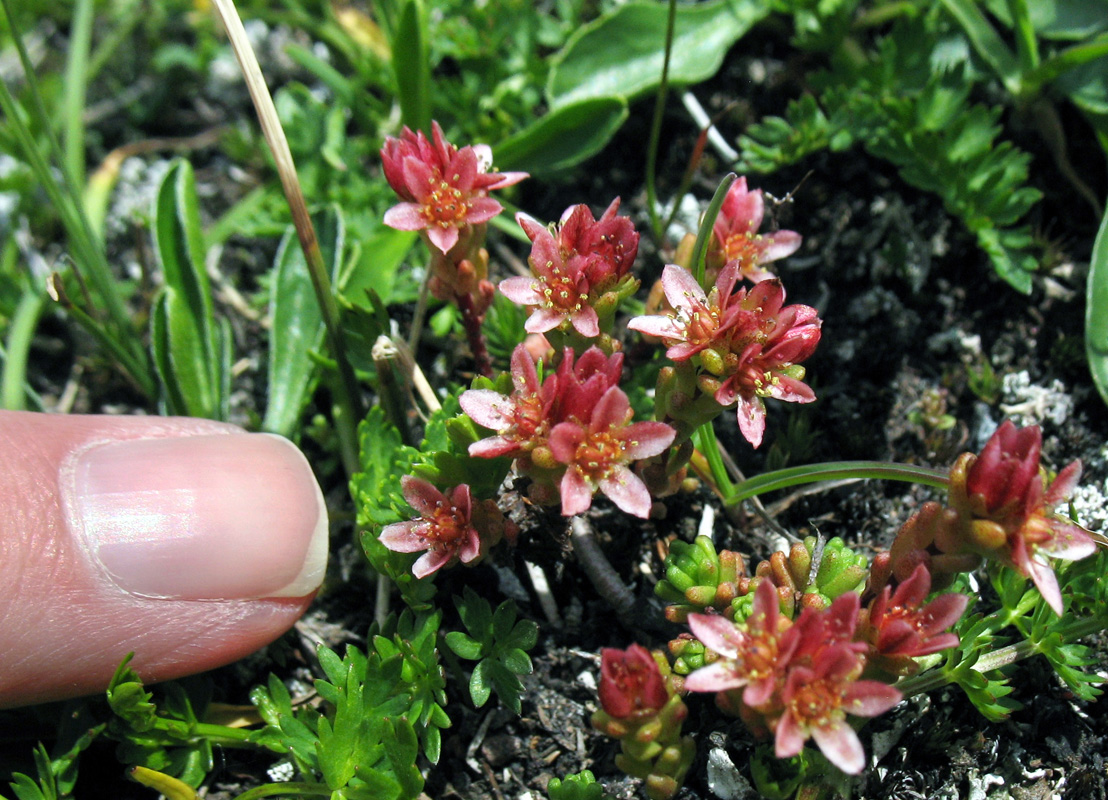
point(451, 527)
point(801, 678)
point(572, 430)
point(747, 341)
point(443, 189)
point(580, 270)
point(1000, 506)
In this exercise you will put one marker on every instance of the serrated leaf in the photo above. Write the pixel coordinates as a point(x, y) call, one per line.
point(620, 54)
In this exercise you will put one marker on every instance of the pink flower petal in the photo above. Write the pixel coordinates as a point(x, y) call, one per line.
point(788, 738)
point(682, 290)
point(585, 321)
point(626, 490)
point(576, 493)
point(646, 439)
point(405, 217)
point(482, 209)
point(487, 408)
point(751, 415)
point(443, 238)
point(521, 290)
point(779, 245)
point(431, 561)
point(717, 677)
point(422, 495)
point(657, 325)
point(838, 741)
point(404, 537)
point(718, 634)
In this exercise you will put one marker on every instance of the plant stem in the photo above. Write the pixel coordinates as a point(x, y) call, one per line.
point(704, 233)
point(300, 788)
point(471, 321)
point(656, 129)
point(13, 391)
point(988, 662)
point(835, 470)
point(603, 578)
point(76, 85)
point(348, 396)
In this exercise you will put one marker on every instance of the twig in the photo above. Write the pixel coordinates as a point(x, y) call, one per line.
point(596, 565)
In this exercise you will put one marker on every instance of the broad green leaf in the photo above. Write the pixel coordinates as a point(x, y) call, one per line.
point(621, 54)
point(297, 322)
point(190, 363)
point(411, 63)
point(565, 137)
point(1096, 312)
point(464, 646)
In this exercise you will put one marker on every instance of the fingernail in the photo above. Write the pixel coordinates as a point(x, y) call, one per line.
point(221, 517)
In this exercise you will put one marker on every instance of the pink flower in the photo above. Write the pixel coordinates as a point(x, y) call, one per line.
point(444, 527)
point(443, 189)
point(521, 420)
point(770, 344)
point(608, 245)
point(630, 682)
point(817, 699)
point(596, 453)
point(1007, 507)
point(902, 627)
point(559, 288)
point(735, 237)
point(699, 320)
point(752, 655)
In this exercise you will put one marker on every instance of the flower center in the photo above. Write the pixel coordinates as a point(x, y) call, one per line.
point(445, 205)
point(447, 525)
point(559, 290)
point(743, 247)
point(598, 455)
point(815, 704)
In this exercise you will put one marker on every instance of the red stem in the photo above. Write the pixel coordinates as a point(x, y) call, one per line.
point(472, 322)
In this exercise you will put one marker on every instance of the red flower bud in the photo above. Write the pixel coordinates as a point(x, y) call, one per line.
point(630, 681)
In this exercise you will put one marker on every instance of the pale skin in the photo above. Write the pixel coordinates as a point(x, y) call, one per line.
point(185, 541)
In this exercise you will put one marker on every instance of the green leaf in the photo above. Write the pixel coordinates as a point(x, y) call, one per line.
point(480, 683)
point(620, 54)
point(565, 137)
point(1096, 312)
point(411, 63)
point(986, 41)
point(297, 327)
point(189, 363)
point(464, 646)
